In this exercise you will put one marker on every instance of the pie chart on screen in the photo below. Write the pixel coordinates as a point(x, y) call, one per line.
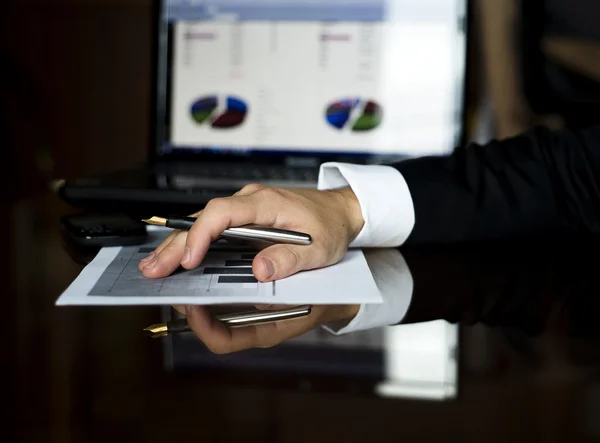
point(354, 114)
point(219, 112)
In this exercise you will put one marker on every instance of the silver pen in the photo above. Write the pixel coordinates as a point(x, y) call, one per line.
point(248, 232)
point(232, 320)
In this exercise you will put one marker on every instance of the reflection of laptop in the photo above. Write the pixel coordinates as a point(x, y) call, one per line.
point(266, 91)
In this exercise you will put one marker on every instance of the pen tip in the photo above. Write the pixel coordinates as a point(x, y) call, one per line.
point(159, 335)
point(158, 328)
point(159, 221)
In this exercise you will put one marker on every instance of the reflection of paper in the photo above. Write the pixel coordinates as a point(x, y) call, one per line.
point(395, 284)
point(224, 277)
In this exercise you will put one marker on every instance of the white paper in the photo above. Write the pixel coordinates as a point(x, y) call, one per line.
point(113, 278)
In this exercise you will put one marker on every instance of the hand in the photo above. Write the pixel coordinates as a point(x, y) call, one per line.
point(221, 340)
point(333, 219)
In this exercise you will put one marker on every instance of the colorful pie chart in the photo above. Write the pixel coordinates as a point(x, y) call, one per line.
point(203, 108)
point(220, 112)
point(358, 114)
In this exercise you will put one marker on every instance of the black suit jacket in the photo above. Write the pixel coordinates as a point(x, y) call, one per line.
point(534, 184)
point(533, 286)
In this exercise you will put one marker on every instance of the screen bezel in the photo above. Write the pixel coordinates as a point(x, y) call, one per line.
point(162, 58)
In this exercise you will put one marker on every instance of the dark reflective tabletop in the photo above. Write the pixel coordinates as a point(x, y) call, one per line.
point(500, 343)
point(524, 295)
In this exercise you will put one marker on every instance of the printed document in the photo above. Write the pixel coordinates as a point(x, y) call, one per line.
point(224, 277)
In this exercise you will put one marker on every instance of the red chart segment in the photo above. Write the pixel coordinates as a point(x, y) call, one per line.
point(204, 110)
point(360, 115)
point(234, 115)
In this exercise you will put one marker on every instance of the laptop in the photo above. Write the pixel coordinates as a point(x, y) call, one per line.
point(266, 91)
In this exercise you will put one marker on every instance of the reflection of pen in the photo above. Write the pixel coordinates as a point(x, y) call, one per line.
point(163, 329)
point(248, 232)
point(232, 320)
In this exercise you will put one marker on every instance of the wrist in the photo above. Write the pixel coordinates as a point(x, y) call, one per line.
point(340, 314)
point(352, 210)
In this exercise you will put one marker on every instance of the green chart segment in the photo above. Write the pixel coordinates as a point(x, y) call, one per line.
point(340, 114)
point(203, 111)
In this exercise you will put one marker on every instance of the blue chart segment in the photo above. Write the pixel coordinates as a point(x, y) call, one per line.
point(338, 113)
point(204, 110)
point(362, 115)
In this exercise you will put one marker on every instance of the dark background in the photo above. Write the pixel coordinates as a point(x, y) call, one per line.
point(75, 98)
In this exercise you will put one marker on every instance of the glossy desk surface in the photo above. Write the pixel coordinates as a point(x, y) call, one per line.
point(501, 342)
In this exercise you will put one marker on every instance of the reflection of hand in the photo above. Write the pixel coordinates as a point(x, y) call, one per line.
point(221, 340)
point(333, 219)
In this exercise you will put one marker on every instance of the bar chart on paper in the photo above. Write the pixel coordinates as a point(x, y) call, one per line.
point(225, 271)
point(225, 276)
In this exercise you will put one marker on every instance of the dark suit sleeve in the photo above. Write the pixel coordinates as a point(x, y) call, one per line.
point(537, 183)
point(530, 287)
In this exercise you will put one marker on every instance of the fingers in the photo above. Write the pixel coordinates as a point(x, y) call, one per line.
point(219, 215)
point(221, 340)
point(215, 335)
point(249, 189)
point(154, 254)
point(168, 258)
point(167, 241)
point(179, 308)
point(280, 261)
point(271, 307)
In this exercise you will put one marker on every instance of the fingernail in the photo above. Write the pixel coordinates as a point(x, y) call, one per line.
point(187, 255)
point(150, 257)
point(269, 266)
point(151, 263)
point(188, 310)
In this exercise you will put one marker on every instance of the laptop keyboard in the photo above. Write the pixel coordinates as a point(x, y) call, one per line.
point(232, 176)
point(258, 172)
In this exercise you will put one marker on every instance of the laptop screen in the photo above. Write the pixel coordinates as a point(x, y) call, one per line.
point(320, 77)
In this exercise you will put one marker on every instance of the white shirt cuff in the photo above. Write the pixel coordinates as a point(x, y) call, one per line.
point(384, 199)
point(395, 283)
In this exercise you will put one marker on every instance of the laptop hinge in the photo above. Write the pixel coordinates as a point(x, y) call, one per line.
point(302, 162)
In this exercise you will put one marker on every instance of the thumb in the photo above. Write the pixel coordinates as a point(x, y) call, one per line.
point(280, 261)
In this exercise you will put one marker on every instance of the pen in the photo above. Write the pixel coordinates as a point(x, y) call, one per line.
point(231, 320)
point(248, 232)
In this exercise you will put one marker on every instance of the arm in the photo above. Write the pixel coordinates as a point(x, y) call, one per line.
point(536, 183)
point(531, 185)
